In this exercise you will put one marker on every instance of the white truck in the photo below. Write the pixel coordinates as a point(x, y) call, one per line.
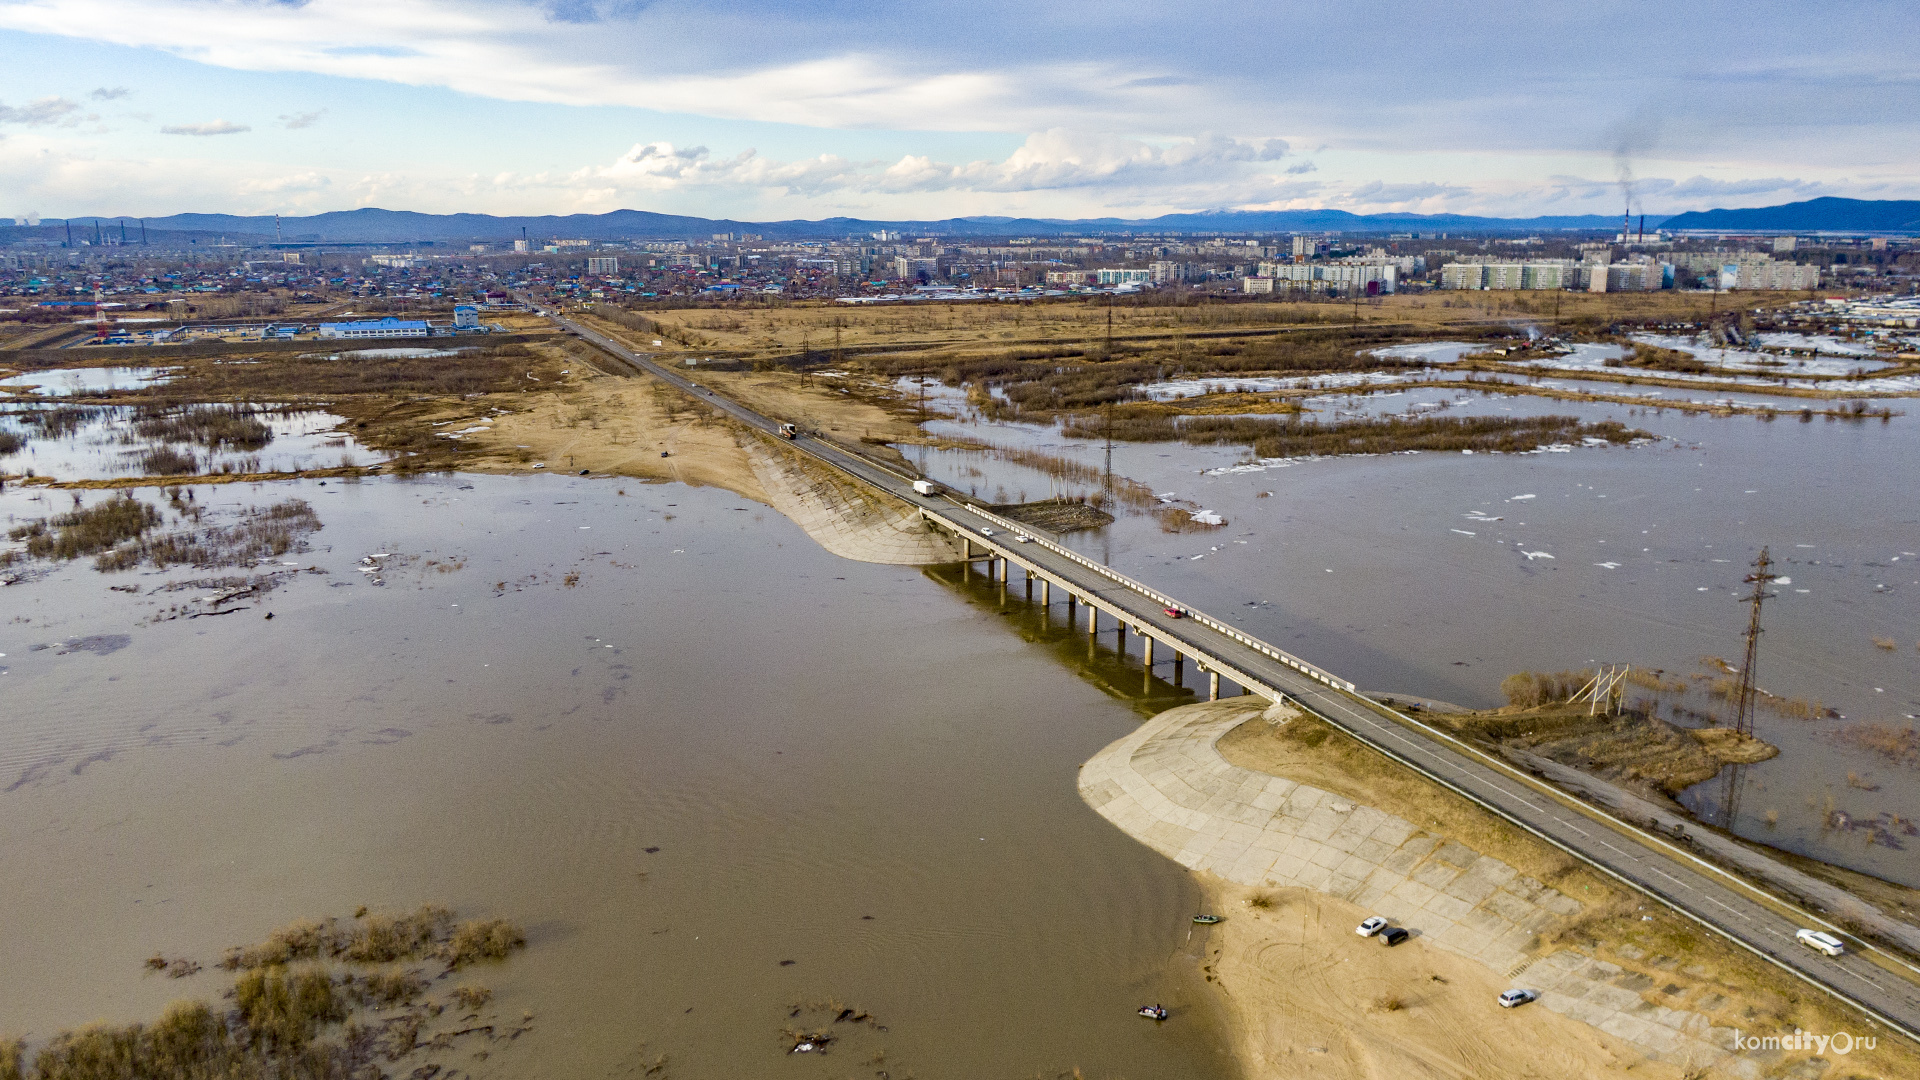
point(926, 487)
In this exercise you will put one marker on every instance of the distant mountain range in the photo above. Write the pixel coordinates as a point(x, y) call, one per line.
point(377, 226)
point(1814, 215)
point(400, 226)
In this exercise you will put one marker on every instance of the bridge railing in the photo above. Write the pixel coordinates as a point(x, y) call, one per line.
point(1164, 600)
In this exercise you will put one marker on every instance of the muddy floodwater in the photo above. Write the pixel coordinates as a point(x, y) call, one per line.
point(1438, 575)
point(717, 774)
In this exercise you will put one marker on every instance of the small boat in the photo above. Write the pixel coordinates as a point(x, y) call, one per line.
point(1206, 920)
point(1153, 1012)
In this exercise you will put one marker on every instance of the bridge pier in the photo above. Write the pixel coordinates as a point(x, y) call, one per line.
point(1120, 637)
point(1029, 586)
point(1093, 622)
point(1179, 665)
point(1146, 645)
point(1213, 686)
point(1070, 610)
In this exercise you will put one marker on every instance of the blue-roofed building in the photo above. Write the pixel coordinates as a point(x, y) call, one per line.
point(384, 328)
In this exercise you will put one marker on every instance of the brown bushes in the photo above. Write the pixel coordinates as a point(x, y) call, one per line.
point(284, 1010)
point(212, 426)
point(262, 532)
point(1532, 689)
point(488, 939)
point(87, 531)
point(375, 939)
point(428, 932)
point(1273, 437)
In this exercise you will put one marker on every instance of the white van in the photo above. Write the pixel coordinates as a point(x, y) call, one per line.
point(1821, 942)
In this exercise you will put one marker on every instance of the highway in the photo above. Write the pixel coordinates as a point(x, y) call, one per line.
point(1648, 863)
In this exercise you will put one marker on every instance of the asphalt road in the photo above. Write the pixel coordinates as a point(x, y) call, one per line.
point(1647, 863)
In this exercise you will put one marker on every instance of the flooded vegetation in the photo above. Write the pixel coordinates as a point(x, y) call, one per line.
point(305, 1004)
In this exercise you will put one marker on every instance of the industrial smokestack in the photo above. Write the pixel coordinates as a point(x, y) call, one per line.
point(98, 240)
point(1643, 228)
point(69, 224)
point(143, 231)
point(123, 232)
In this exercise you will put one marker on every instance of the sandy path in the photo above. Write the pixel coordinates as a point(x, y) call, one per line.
point(1307, 998)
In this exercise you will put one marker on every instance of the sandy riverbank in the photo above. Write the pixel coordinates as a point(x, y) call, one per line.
point(1297, 834)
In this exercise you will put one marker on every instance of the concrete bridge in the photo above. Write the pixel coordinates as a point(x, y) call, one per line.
point(1883, 987)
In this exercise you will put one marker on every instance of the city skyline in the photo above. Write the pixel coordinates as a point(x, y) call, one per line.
point(806, 111)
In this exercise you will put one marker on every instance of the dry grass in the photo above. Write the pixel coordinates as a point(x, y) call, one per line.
point(283, 1010)
point(1898, 743)
point(480, 940)
point(261, 532)
point(471, 997)
point(1174, 519)
point(1886, 643)
point(1389, 1003)
point(216, 427)
point(373, 938)
point(1532, 689)
point(88, 530)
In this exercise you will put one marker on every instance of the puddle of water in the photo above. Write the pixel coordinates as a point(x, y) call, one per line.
point(65, 382)
point(806, 741)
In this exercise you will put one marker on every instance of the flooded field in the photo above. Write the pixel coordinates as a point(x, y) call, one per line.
point(65, 382)
point(108, 441)
point(714, 771)
point(1438, 575)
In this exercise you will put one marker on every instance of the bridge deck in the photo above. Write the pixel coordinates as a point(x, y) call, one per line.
point(1873, 982)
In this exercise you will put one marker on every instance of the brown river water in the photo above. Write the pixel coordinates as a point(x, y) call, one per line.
point(865, 770)
point(1438, 575)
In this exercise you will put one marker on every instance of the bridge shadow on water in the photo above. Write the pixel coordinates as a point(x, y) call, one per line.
point(1121, 673)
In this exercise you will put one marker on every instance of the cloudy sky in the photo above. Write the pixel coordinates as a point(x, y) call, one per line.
point(761, 110)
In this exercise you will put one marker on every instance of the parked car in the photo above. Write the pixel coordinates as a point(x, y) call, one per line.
point(1372, 926)
point(1392, 936)
point(1516, 997)
point(1821, 941)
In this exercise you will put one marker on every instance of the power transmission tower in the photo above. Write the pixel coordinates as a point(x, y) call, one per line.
point(1731, 783)
point(1762, 576)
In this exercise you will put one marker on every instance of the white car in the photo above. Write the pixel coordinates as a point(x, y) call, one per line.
point(1821, 941)
point(1371, 927)
point(984, 531)
point(1516, 997)
point(1022, 538)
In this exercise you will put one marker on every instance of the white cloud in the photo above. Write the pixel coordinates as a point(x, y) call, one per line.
point(296, 121)
point(211, 127)
point(109, 93)
point(47, 110)
point(1051, 160)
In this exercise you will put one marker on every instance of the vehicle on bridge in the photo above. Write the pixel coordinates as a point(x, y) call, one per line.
point(789, 431)
point(1173, 612)
point(926, 487)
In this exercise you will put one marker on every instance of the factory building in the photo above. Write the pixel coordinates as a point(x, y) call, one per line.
point(385, 328)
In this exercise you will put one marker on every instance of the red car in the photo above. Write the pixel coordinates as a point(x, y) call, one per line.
point(1173, 612)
